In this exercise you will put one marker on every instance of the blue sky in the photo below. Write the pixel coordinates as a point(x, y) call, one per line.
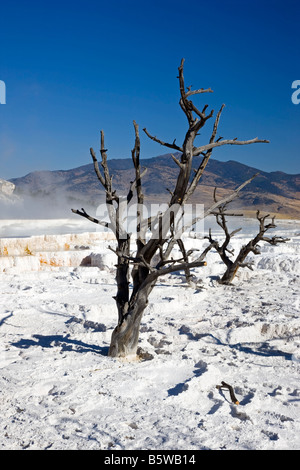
point(72, 68)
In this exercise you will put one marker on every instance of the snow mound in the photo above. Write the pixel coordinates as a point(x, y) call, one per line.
point(38, 253)
point(7, 196)
point(285, 263)
point(22, 246)
point(262, 331)
point(6, 187)
point(104, 260)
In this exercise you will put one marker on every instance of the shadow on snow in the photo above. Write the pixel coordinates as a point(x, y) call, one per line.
point(64, 342)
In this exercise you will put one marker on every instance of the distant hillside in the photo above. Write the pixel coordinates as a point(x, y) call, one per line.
point(275, 192)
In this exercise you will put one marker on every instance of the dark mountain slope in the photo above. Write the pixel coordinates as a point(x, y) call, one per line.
point(275, 192)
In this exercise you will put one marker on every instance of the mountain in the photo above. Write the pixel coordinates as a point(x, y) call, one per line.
point(6, 192)
point(275, 192)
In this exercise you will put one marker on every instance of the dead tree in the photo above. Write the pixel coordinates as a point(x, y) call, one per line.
point(227, 254)
point(155, 239)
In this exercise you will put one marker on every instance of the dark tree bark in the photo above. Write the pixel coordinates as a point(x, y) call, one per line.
point(227, 255)
point(156, 238)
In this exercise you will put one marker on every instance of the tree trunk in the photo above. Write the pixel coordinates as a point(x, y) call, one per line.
point(233, 266)
point(125, 337)
point(229, 274)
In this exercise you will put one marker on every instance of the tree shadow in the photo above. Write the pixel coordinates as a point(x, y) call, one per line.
point(64, 342)
point(181, 387)
point(2, 321)
point(263, 349)
point(257, 349)
point(178, 389)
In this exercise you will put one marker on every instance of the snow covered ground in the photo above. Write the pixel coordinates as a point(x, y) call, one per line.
point(60, 390)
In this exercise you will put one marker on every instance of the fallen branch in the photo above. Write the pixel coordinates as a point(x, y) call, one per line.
point(229, 387)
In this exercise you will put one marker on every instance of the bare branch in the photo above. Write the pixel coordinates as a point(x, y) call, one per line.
point(198, 92)
point(186, 105)
point(234, 231)
point(133, 259)
point(96, 168)
point(232, 196)
point(229, 214)
point(177, 161)
point(216, 124)
point(203, 148)
point(231, 392)
point(201, 114)
point(83, 213)
point(165, 144)
point(134, 185)
point(185, 254)
point(205, 160)
point(108, 179)
point(177, 267)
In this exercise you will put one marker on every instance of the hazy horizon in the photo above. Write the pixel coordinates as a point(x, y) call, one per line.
point(70, 72)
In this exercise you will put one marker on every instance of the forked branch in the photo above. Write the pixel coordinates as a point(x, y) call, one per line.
point(239, 261)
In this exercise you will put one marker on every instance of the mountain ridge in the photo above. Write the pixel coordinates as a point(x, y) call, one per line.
point(276, 192)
